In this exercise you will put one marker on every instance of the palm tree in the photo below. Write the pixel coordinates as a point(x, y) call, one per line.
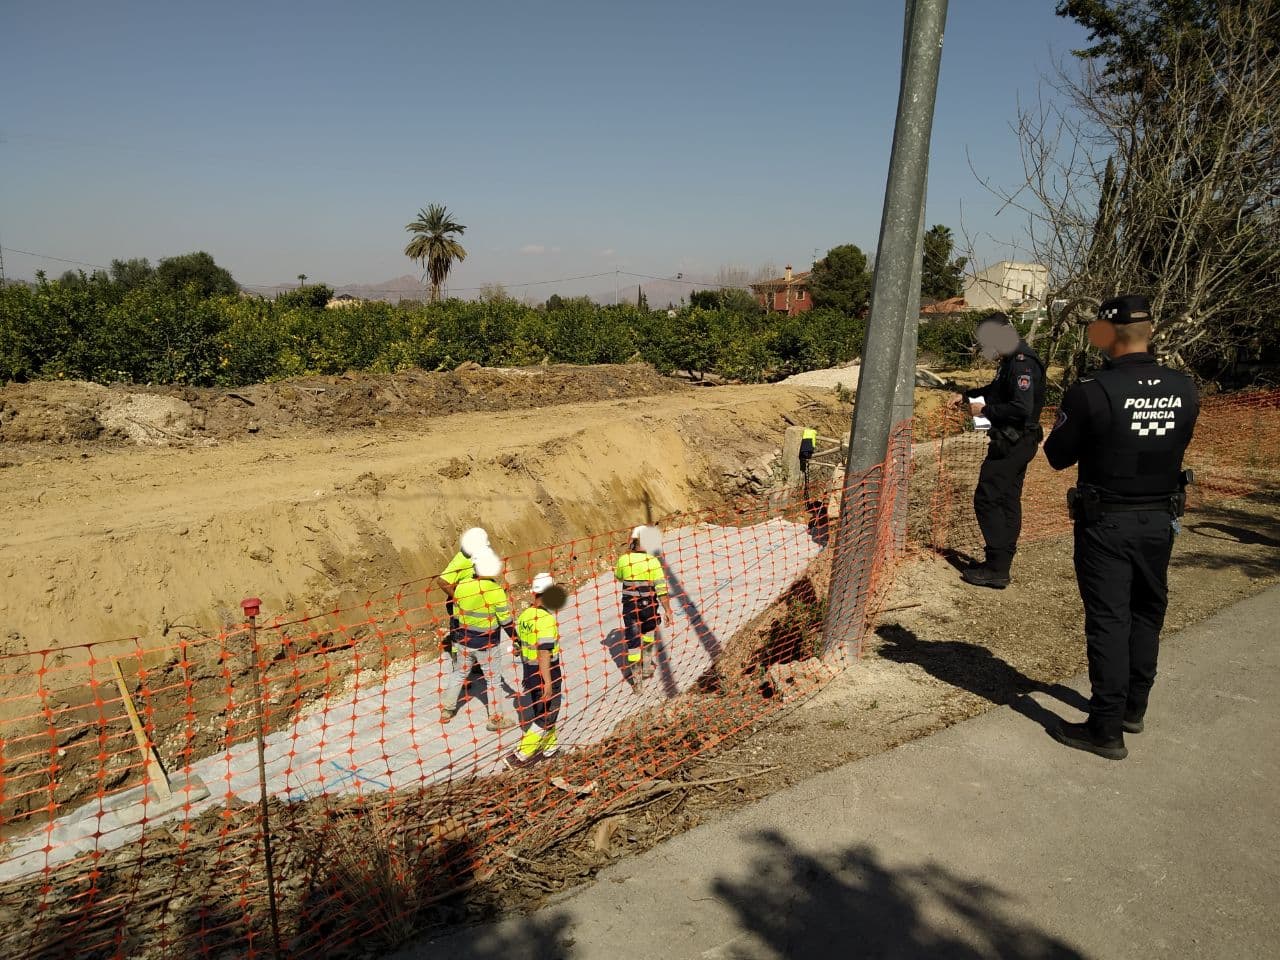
point(302, 280)
point(433, 244)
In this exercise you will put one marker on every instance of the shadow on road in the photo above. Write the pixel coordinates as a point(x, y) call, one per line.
point(976, 669)
point(1219, 537)
point(847, 904)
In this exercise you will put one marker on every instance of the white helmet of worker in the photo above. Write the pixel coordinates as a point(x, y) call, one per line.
point(647, 538)
point(474, 542)
point(554, 596)
point(488, 565)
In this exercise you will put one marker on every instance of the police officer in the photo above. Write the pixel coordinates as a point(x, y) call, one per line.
point(1012, 402)
point(1127, 426)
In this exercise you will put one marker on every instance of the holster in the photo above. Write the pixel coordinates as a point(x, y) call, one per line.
point(1084, 504)
point(1003, 439)
point(1179, 500)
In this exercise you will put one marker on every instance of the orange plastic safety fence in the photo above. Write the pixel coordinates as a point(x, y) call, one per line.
point(129, 778)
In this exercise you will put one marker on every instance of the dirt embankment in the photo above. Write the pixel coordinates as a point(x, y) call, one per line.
point(109, 542)
point(75, 412)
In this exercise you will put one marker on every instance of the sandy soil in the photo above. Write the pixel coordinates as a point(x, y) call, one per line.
point(108, 540)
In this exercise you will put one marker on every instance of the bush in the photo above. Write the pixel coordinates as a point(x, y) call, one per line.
point(137, 328)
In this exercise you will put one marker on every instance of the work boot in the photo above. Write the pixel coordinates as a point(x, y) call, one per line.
point(1133, 723)
point(550, 745)
point(984, 576)
point(518, 761)
point(498, 722)
point(649, 668)
point(1081, 737)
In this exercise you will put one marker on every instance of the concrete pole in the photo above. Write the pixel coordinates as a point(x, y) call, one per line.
point(856, 533)
point(905, 390)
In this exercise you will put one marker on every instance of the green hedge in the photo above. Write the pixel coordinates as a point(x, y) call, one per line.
point(92, 328)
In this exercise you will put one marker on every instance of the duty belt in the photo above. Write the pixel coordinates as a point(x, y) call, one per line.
point(638, 588)
point(1159, 503)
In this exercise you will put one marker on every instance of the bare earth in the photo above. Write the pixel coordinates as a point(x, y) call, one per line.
point(106, 539)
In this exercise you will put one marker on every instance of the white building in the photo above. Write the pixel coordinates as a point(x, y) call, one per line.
point(1007, 286)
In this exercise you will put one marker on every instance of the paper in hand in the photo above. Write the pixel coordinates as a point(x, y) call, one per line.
point(980, 423)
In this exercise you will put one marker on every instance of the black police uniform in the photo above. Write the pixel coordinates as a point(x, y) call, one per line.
point(1127, 426)
point(1014, 400)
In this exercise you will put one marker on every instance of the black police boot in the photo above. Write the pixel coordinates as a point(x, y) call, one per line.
point(984, 576)
point(1133, 723)
point(1081, 737)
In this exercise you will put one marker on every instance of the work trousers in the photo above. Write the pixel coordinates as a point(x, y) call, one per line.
point(1122, 565)
point(997, 500)
point(544, 704)
point(640, 619)
point(487, 651)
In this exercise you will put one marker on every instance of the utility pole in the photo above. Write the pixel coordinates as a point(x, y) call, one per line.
point(856, 540)
point(905, 392)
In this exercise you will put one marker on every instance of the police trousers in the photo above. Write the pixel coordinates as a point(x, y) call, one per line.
point(997, 500)
point(1122, 565)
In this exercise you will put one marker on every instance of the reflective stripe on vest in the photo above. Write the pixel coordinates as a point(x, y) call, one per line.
point(536, 626)
point(481, 605)
point(641, 575)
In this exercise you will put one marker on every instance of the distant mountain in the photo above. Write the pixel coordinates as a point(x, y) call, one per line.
point(658, 293)
point(406, 287)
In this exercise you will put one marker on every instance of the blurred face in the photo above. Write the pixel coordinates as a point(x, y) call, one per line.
point(1102, 334)
point(996, 340)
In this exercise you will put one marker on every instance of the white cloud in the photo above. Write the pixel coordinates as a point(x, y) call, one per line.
point(533, 248)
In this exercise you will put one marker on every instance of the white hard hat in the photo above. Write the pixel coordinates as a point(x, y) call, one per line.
point(636, 532)
point(541, 582)
point(488, 564)
point(474, 541)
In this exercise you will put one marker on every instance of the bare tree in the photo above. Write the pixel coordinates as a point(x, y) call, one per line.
point(1171, 189)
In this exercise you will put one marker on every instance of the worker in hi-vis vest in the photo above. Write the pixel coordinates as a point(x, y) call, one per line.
point(644, 587)
point(484, 615)
point(460, 569)
point(808, 446)
point(539, 635)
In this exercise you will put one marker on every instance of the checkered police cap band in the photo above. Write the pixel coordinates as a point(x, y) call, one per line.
point(1130, 308)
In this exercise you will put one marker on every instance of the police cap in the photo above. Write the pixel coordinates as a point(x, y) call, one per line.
point(1130, 308)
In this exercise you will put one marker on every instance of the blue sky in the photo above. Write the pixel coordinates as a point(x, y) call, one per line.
point(570, 137)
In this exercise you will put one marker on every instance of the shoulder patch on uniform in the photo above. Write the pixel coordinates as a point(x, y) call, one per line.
point(1024, 381)
point(1022, 356)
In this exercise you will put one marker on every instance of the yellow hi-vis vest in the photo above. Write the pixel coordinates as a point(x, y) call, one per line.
point(809, 434)
point(538, 629)
point(460, 569)
point(641, 575)
point(481, 604)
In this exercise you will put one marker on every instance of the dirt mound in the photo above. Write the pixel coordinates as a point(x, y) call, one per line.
point(51, 412)
point(61, 412)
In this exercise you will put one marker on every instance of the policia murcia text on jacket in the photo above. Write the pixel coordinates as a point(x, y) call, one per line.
point(1012, 402)
point(1127, 426)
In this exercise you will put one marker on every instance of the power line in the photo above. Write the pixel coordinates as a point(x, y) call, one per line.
point(704, 284)
point(45, 256)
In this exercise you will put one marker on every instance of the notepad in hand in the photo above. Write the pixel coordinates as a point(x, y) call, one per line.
point(980, 423)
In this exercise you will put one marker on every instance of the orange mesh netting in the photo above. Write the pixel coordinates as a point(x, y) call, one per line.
point(143, 835)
